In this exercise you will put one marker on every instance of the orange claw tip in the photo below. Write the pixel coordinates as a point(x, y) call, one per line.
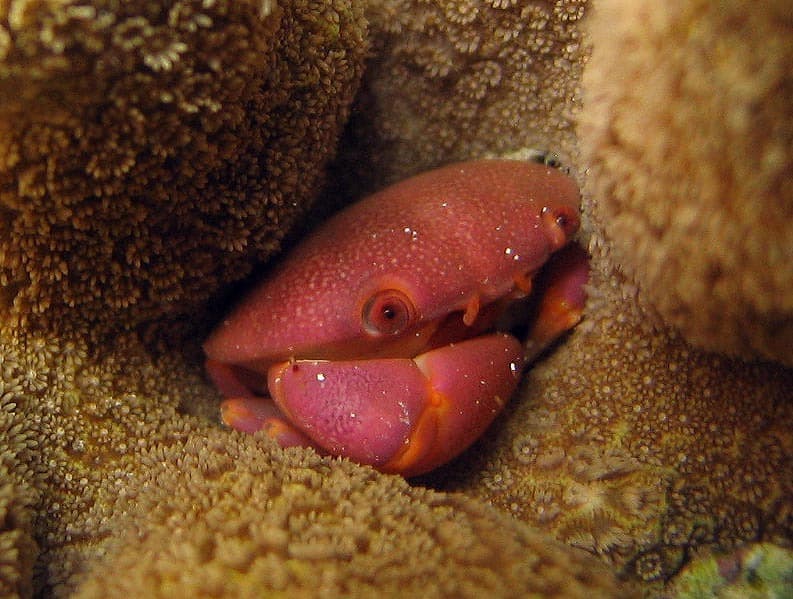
point(253, 414)
point(246, 414)
point(563, 298)
point(285, 434)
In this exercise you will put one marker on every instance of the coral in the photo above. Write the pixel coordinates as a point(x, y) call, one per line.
point(139, 498)
point(70, 417)
point(18, 549)
point(753, 572)
point(154, 152)
point(151, 153)
point(688, 132)
point(250, 520)
point(455, 79)
point(631, 444)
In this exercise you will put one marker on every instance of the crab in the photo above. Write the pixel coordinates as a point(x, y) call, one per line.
point(382, 337)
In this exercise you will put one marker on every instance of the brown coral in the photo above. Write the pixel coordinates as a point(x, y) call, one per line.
point(250, 521)
point(18, 497)
point(78, 422)
point(153, 152)
point(138, 498)
point(461, 78)
point(689, 134)
point(633, 445)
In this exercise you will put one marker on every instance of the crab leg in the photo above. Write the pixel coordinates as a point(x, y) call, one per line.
point(561, 288)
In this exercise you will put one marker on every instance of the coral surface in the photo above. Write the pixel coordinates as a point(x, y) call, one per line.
point(688, 133)
point(452, 79)
point(254, 520)
point(140, 499)
point(631, 444)
point(757, 571)
point(151, 152)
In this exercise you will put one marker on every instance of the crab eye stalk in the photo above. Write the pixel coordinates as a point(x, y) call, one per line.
point(561, 223)
point(388, 312)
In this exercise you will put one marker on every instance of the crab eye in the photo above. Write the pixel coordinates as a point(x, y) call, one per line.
point(561, 223)
point(564, 217)
point(388, 312)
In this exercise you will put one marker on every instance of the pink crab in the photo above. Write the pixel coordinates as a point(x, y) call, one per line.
point(377, 339)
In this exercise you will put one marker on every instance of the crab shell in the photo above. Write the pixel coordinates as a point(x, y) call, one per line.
point(372, 340)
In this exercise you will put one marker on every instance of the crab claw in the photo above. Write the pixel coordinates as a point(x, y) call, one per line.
point(400, 415)
point(252, 414)
point(249, 413)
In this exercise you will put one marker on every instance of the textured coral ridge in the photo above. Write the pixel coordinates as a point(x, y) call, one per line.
point(699, 210)
point(634, 446)
point(138, 499)
point(152, 151)
point(252, 520)
point(70, 425)
point(453, 79)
